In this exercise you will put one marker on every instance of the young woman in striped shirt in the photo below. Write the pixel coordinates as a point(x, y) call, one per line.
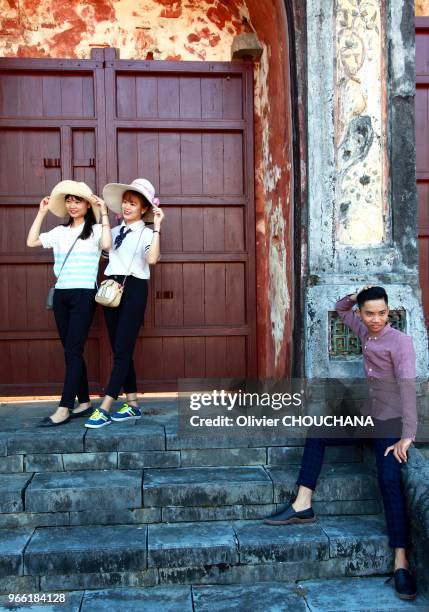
point(77, 247)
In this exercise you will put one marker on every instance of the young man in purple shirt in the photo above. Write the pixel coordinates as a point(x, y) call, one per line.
point(390, 370)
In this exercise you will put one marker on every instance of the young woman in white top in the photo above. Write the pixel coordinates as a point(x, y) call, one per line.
point(76, 274)
point(135, 246)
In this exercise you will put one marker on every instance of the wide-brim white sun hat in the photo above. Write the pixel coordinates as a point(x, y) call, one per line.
point(57, 199)
point(113, 195)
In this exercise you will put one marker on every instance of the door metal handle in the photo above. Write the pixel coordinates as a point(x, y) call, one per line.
point(164, 295)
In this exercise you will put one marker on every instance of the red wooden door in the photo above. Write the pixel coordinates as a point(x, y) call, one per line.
point(422, 154)
point(52, 127)
point(189, 129)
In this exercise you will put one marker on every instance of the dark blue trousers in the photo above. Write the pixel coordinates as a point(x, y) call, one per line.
point(389, 479)
point(123, 324)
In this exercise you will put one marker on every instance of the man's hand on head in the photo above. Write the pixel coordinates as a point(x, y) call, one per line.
point(353, 297)
point(399, 449)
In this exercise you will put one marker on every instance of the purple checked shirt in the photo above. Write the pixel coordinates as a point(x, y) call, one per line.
point(390, 367)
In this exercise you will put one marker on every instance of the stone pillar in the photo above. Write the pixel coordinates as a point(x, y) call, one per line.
point(361, 171)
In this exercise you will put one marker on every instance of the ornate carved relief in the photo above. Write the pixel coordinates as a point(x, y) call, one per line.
point(359, 130)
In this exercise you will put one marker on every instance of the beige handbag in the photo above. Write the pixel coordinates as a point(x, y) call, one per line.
point(110, 291)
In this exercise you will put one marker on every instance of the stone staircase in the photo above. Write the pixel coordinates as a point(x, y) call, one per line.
point(137, 505)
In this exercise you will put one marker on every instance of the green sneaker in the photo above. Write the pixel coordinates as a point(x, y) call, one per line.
point(99, 418)
point(126, 413)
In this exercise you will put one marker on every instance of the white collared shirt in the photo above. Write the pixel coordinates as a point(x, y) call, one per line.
point(120, 259)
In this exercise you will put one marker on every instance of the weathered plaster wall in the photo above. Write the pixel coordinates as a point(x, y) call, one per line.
point(167, 29)
point(197, 30)
point(337, 267)
point(274, 190)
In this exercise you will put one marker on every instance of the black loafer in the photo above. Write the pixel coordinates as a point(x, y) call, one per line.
point(85, 413)
point(405, 585)
point(287, 515)
point(48, 422)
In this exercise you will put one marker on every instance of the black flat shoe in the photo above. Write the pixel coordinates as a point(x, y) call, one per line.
point(287, 516)
point(85, 413)
point(48, 422)
point(405, 585)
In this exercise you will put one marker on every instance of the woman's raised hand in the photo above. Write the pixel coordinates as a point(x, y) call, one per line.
point(158, 216)
point(43, 206)
point(101, 204)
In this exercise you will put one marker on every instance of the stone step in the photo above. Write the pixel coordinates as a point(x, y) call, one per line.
point(146, 444)
point(252, 485)
point(176, 494)
point(340, 595)
point(84, 490)
point(191, 553)
point(136, 460)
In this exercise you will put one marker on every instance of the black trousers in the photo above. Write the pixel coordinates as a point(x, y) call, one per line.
point(74, 311)
point(123, 324)
point(388, 473)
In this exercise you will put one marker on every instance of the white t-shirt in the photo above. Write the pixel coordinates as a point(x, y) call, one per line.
point(120, 259)
point(81, 267)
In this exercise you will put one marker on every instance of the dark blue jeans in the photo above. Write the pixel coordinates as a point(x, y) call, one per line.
point(388, 472)
point(74, 311)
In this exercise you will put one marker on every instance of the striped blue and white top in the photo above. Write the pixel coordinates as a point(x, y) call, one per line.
point(81, 267)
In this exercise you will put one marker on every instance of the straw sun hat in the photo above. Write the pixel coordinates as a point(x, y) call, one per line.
point(57, 199)
point(113, 195)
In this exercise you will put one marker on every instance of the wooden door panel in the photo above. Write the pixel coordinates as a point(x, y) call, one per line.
point(192, 229)
point(169, 296)
point(182, 162)
point(164, 96)
point(212, 98)
point(169, 163)
point(422, 155)
point(36, 94)
point(172, 234)
point(193, 295)
point(51, 112)
point(198, 294)
point(38, 365)
point(168, 97)
point(235, 290)
point(193, 142)
point(158, 360)
point(214, 293)
point(234, 229)
point(84, 157)
point(423, 209)
point(216, 229)
point(190, 97)
point(191, 163)
point(23, 170)
point(235, 356)
point(421, 118)
point(195, 357)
